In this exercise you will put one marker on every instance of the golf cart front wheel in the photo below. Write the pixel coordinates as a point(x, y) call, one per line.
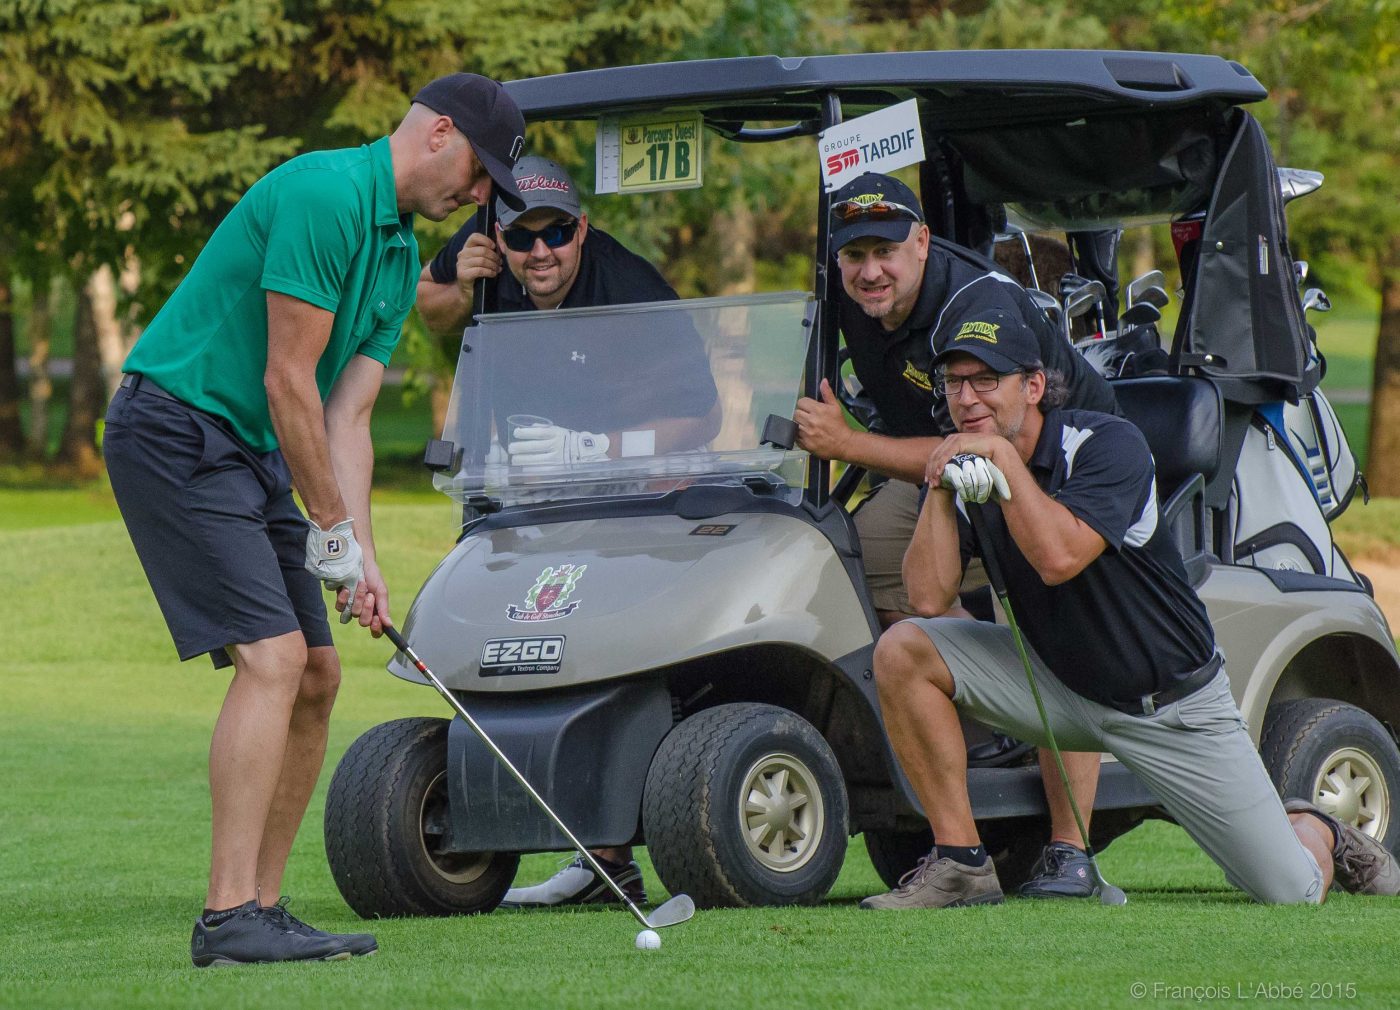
point(386, 824)
point(1338, 757)
point(746, 805)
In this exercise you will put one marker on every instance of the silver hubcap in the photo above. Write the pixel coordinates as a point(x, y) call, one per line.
point(454, 867)
point(1352, 789)
point(781, 812)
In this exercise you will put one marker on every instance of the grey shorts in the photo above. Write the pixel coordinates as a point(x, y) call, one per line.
point(215, 526)
point(885, 523)
point(1195, 755)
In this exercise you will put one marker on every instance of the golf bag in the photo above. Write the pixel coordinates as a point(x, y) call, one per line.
point(1320, 443)
point(1279, 506)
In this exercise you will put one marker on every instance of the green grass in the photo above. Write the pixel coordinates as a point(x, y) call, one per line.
point(103, 738)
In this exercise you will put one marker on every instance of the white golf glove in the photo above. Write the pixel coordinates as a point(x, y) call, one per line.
point(536, 444)
point(975, 479)
point(334, 557)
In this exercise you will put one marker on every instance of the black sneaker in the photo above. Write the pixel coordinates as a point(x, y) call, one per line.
point(1063, 871)
point(253, 935)
point(577, 884)
point(360, 944)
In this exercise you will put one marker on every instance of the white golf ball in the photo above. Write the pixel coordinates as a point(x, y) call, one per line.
point(648, 939)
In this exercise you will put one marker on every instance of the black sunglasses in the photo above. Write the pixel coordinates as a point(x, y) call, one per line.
point(553, 235)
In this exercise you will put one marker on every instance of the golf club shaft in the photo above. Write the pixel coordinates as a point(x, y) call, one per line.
point(994, 576)
point(402, 645)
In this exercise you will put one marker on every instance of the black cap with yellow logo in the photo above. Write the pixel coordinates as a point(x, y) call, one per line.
point(995, 337)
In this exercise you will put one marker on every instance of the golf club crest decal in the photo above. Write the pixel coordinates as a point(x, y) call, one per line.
point(548, 598)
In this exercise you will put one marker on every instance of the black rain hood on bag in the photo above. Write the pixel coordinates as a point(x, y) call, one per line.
point(1242, 300)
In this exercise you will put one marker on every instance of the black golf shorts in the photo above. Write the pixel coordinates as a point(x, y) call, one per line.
point(215, 526)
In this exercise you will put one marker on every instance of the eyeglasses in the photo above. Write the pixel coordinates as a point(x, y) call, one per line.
point(553, 235)
point(882, 210)
point(984, 382)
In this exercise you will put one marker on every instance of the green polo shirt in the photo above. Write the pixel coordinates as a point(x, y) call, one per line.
point(324, 228)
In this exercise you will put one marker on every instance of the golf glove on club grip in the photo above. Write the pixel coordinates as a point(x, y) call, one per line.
point(334, 557)
point(552, 444)
point(975, 479)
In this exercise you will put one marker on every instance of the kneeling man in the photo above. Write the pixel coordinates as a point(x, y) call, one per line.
point(1123, 651)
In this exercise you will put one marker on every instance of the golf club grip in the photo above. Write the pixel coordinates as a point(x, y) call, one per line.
point(989, 554)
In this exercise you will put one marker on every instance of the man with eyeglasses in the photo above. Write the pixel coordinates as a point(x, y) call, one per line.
point(1069, 500)
point(556, 260)
point(903, 292)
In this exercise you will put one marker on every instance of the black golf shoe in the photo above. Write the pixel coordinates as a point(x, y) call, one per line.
point(254, 935)
point(1062, 871)
point(578, 884)
point(360, 944)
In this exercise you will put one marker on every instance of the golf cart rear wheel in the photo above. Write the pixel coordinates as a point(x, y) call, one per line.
point(1338, 757)
point(746, 805)
point(386, 822)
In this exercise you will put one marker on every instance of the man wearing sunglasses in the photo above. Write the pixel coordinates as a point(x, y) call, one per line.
point(556, 260)
point(902, 293)
point(666, 400)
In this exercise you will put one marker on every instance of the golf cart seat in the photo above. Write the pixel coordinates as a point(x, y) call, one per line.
point(1180, 416)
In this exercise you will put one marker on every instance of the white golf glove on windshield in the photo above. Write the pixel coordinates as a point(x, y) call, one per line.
point(975, 479)
point(334, 557)
point(536, 444)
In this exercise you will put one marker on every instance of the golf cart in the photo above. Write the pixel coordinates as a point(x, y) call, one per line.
point(674, 642)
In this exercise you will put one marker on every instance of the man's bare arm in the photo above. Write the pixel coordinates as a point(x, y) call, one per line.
point(1057, 543)
point(297, 334)
point(446, 308)
point(347, 415)
point(933, 561)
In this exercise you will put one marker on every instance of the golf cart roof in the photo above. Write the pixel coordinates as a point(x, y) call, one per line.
point(956, 87)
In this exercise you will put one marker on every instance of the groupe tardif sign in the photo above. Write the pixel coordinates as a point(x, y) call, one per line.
point(879, 142)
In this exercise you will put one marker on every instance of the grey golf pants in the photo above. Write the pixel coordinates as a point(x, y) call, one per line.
point(1195, 755)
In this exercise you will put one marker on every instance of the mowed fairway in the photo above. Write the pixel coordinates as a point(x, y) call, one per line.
point(103, 739)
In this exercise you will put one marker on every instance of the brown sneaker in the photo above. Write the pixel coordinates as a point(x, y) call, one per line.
point(942, 883)
point(1361, 864)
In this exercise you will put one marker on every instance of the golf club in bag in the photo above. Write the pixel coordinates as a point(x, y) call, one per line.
point(1108, 894)
point(675, 911)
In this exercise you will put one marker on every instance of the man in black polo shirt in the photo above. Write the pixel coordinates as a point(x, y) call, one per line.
point(902, 293)
point(664, 403)
point(1123, 649)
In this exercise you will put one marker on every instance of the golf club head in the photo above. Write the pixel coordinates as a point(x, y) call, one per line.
point(1300, 270)
point(1156, 296)
point(1316, 300)
point(1140, 315)
point(1108, 894)
point(1138, 285)
point(676, 911)
point(1296, 182)
point(1083, 298)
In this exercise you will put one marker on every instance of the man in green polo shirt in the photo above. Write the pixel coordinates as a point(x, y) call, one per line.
point(259, 374)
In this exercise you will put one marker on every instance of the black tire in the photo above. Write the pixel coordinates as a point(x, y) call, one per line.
point(386, 813)
point(895, 853)
point(1338, 757)
point(691, 809)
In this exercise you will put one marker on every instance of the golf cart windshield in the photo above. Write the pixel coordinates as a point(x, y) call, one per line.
point(625, 400)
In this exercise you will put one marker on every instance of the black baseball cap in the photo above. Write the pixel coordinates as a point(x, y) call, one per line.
point(996, 337)
point(488, 117)
point(873, 204)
